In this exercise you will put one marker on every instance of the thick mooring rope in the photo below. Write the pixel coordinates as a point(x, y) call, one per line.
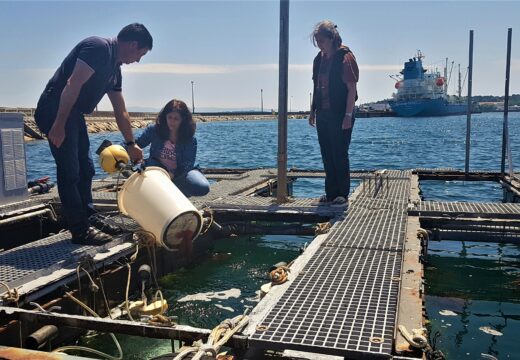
point(419, 341)
point(219, 336)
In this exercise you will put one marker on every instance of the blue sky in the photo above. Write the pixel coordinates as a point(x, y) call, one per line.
point(230, 49)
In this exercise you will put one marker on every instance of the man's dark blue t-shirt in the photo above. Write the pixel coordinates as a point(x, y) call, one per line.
point(98, 53)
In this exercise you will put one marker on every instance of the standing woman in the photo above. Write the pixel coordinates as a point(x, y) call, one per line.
point(335, 75)
point(174, 147)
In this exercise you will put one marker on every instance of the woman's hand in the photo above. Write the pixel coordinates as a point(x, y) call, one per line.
point(347, 122)
point(312, 119)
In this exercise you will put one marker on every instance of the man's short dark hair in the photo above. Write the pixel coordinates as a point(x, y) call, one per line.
point(136, 32)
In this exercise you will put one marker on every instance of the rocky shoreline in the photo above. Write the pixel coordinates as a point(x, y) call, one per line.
point(107, 124)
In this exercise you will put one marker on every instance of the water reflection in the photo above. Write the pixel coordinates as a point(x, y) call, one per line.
point(479, 284)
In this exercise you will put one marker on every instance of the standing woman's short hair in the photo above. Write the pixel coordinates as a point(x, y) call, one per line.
point(329, 30)
point(187, 127)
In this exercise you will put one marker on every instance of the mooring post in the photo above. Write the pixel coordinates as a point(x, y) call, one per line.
point(506, 148)
point(470, 83)
point(283, 73)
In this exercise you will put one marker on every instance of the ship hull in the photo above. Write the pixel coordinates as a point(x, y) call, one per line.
point(427, 107)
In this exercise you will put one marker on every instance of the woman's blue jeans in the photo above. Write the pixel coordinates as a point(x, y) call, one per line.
point(194, 183)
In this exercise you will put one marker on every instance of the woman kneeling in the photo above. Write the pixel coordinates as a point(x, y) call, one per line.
point(174, 148)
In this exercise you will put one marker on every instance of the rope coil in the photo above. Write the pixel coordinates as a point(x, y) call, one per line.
point(419, 341)
point(279, 275)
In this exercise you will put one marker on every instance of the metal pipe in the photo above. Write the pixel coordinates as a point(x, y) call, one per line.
point(506, 148)
point(41, 337)
point(470, 83)
point(283, 76)
point(27, 216)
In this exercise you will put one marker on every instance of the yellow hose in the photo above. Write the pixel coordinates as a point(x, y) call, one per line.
point(86, 349)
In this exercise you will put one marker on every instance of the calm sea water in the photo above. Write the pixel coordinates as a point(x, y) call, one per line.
point(471, 287)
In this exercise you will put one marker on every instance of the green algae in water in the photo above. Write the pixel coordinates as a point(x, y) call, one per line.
point(220, 286)
point(233, 274)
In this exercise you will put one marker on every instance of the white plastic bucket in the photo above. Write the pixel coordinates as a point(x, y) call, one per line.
point(155, 203)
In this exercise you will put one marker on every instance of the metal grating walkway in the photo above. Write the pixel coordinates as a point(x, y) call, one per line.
point(29, 262)
point(344, 301)
point(494, 210)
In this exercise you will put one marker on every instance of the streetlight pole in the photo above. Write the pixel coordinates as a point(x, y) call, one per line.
point(192, 99)
point(262, 99)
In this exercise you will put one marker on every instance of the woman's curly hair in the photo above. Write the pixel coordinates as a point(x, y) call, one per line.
point(187, 127)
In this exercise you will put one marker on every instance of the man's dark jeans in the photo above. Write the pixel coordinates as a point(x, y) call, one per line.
point(74, 165)
point(334, 144)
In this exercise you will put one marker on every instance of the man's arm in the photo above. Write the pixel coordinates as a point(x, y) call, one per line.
point(124, 125)
point(81, 73)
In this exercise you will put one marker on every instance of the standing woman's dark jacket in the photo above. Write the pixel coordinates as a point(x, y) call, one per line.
point(337, 89)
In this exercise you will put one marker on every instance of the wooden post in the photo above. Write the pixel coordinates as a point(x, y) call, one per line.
point(470, 83)
point(282, 101)
point(506, 149)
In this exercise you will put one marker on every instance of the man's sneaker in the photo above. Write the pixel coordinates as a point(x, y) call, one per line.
point(323, 199)
point(340, 201)
point(91, 237)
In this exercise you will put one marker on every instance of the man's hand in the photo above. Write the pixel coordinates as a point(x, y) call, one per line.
point(312, 119)
point(136, 153)
point(57, 134)
point(347, 122)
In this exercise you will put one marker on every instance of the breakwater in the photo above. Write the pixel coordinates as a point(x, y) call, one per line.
point(106, 123)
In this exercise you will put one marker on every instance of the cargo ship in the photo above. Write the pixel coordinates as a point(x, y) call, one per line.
point(423, 93)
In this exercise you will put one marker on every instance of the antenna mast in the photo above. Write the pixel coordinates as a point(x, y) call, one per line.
point(460, 86)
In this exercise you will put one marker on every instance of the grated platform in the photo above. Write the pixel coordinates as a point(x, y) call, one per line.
point(30, 262)
point(464, 209)
point(344, 301)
